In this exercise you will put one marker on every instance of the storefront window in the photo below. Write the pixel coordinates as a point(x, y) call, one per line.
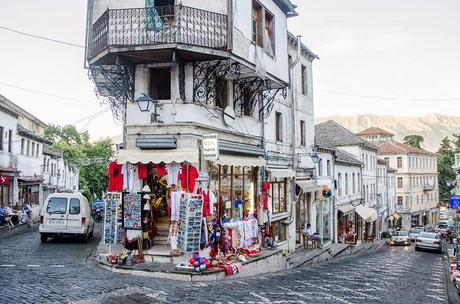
point(278, 196)
point(236, 190)
point(279, 231)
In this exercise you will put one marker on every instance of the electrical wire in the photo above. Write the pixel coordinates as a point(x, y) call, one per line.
point(41, 37)
point(47, 94)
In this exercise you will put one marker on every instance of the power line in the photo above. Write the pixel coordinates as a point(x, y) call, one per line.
point(47, 94)
point(92, 116)
point(41, 37)
point(355, 95)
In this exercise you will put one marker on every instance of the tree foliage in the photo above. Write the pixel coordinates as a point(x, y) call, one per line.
point(446, 160)
point(91, 157)
point(414, 140)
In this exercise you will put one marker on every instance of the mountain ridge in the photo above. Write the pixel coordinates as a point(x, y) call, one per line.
point(433, 126)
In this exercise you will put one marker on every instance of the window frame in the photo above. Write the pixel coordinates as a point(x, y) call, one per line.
point(276, 227)
point(302, 133)
point(399, 162)
point(279, 126)
point(282, 183)
point(304, 79)
point(70, 206)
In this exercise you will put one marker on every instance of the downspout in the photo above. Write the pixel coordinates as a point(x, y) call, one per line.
point(334, 202)
point(293, 96)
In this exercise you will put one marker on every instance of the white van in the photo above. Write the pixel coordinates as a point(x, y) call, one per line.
point(66, 214)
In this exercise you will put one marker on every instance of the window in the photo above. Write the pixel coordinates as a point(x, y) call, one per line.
point(367, 162)
point(353, 183)
point(1, 138)
point(74, 206)
point(10, 141)
point(221, 88)
point(304, 80)
point(328, 167)
point(269, 43)
point(302, 133)
point(400, 200)
point(346, 183)
point(37, 152)
point(257, 13)
point(160, 84)
point(32, 151)
point(399, 162)
point(279, 127)
point(359, 181)
point(320, 167)
point(278, 195)
point(279, 231)
point(22, 146)
point(339, 183)
point(57, 205)
point(28, 148)
point(400, 182)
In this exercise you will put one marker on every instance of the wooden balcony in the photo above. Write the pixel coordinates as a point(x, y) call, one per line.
point(162, 27)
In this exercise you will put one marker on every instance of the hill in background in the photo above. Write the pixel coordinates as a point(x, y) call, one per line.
point(433, 127)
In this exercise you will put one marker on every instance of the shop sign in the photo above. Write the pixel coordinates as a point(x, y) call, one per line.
point(210, 147)
point(4, 180)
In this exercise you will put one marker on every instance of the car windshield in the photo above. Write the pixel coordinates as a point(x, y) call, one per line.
point(442, 225)
point(400, 233)
point(428, 235)
point(57, 205)
point(415, 231)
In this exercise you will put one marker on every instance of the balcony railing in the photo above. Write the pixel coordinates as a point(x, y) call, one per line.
point(158, 25)
point(428, 187)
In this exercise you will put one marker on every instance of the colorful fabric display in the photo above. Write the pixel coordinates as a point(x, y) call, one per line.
point(188, 176)
point(141, 171)
point(161, 169)
point(173, 173)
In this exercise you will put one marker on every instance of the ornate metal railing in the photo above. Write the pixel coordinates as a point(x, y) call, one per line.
point(158, 25)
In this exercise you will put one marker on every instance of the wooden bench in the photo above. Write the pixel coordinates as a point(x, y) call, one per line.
point(306, 242)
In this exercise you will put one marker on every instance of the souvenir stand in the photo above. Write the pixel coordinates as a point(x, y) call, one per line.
point(113, 221)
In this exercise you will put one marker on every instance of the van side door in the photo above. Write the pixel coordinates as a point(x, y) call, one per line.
point(75, 213)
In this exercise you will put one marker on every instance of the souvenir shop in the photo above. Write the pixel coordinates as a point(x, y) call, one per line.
point(217, 213)
point(347, 230)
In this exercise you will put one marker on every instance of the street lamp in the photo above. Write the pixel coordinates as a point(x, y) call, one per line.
point(315, 158)
point(145, 103)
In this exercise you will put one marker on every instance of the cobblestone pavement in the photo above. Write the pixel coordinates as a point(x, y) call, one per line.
point(63, 271)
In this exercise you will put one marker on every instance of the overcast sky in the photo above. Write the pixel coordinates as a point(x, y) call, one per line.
point(393, 51)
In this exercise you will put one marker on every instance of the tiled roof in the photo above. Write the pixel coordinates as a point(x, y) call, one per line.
point(26, 133)
point(53, 152)
point(374, 131)
point(345, 157)
point(394, 147)
point(332, 134)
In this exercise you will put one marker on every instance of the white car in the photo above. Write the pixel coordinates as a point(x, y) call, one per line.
point(430, 241)
point(400, 238)
point(66, 214)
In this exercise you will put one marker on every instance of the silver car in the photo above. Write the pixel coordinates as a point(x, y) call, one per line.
point(414, 233)
point(400, 238)
point(428, 240)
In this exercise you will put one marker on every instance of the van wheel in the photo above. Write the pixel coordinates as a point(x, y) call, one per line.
point(91, 233)
point(43, 238)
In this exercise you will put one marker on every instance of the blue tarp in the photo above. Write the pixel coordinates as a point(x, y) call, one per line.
point(454, 201)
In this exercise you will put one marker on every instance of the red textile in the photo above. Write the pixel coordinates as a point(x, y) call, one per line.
point(115, 177)
point(265, 189)
point(206, 204)
point(161, 169)
point(142, 171)
point(188, 181)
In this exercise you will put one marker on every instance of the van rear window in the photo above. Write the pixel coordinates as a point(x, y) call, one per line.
point(57, 205)
point(74, 207)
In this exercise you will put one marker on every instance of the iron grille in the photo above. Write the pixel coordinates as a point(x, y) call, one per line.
point(158, 25)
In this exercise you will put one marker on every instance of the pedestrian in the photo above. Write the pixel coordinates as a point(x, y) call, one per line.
point(8, 212)
point(2, 216)
point(27, 215)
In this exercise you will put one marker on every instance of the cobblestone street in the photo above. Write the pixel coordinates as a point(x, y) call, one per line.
point(64, 271)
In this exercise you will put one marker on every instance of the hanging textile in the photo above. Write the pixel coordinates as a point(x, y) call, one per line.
point(115, 177)
point(153, 20)
point(188, 177)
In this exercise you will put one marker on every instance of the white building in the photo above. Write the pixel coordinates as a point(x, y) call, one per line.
point(456, 168)
point(22, 156)
point(211, 67)
point(332, 134)
point(417, 193)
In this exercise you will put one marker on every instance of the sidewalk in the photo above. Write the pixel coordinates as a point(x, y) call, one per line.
point(313, 256)
point(7, 231)
point(269, 262)
point(451, 291)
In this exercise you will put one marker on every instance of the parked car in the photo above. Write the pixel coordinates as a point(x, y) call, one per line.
point(400, 238)
point(66, 214)
point(430, 241)
point(414, 232)
point(444, 226)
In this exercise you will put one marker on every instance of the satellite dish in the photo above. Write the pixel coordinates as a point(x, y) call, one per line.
point(229, 116)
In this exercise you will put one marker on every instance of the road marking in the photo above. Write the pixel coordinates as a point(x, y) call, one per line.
point(258, 296)
point(33, 265)
point(57, 266)
point(436, 297)
point(7, 265)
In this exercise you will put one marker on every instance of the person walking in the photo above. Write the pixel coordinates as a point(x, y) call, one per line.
point(27, 214)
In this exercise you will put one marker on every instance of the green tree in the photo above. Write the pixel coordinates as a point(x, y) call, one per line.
point(414, 140)
point(91, 157)
point(446, 160)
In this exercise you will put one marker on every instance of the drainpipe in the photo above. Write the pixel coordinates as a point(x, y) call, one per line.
point(293, 96)
point(334, 213)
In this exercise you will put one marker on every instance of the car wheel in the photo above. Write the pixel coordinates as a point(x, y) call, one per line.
point(43, 238)
point(416, 248)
